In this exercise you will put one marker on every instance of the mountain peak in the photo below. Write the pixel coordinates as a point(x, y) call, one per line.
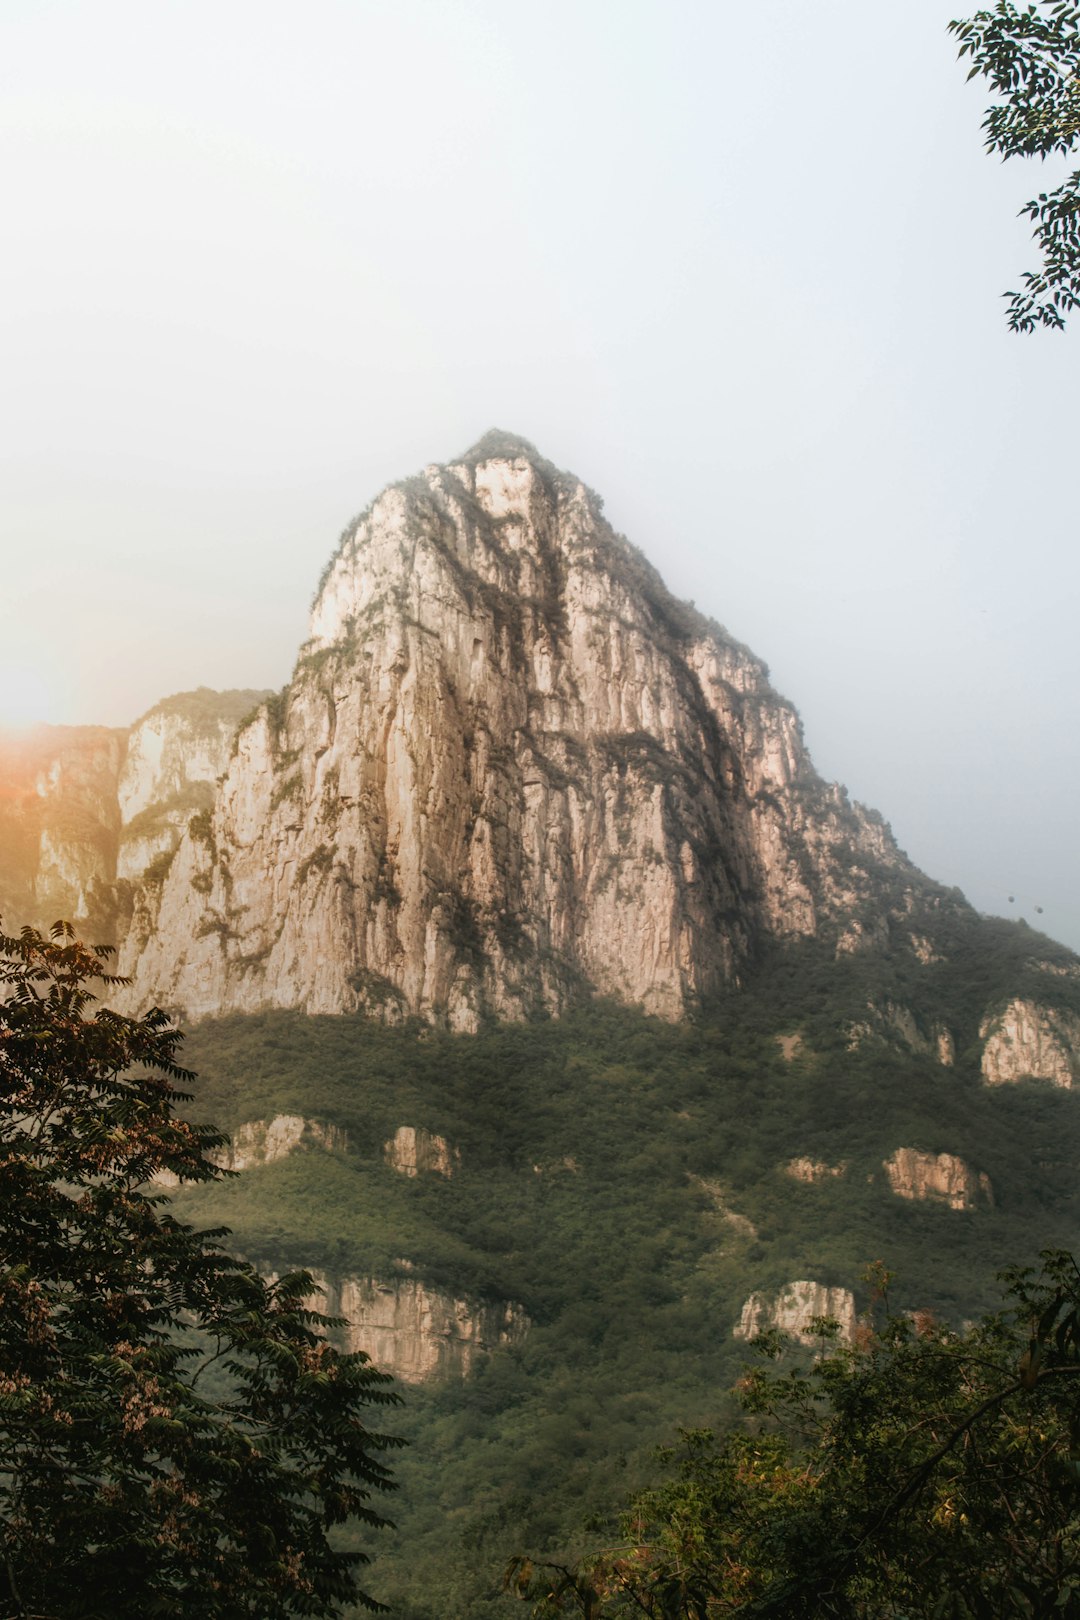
point(498, 445)
point(508, 767)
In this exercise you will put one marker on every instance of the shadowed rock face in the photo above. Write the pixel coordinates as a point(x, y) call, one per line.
point(508, 764)
point(413, 1331)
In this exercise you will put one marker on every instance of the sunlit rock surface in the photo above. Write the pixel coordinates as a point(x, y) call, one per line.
point(263, 1141)
point(939, 1177)
point(509, 764)
point(59, 824)
point(412, 1151)
point(793, 1308)
point(175, 754)
point(86, 809)
point(812, 1170)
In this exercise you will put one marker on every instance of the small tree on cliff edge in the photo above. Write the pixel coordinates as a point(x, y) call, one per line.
point(126, 1489)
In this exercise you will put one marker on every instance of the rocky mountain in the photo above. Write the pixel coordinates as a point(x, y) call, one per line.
point(59, 823)
point(510, 765)
point(86, 810)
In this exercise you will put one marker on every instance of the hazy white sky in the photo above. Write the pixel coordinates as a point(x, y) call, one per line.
point(737, 265)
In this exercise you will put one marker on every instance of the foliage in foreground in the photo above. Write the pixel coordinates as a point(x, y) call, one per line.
point(917, 1473)
point(1031, 57)
point(127, 1489)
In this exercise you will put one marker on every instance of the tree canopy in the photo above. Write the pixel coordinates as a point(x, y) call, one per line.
point(1030, 55)
point(177, 1435)
point(917, 1474)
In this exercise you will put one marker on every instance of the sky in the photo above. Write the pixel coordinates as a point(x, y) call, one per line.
point(738, 266)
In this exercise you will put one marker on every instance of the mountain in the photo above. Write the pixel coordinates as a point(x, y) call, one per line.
point(86, 810)
point(567, 1026)
point(59, 823)
point(509, 766)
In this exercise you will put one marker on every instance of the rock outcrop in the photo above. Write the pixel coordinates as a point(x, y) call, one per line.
point(812, 1170)
point(738, 1225)
point(175, 754)
point(413, 1331)
point(940, 1177)
point(793, 1309)
point(1026, 1041)
point(412, 1151)
point(86, 809)
point(263, 1141)
point(509, 764)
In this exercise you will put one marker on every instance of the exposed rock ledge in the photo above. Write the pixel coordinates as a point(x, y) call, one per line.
point(1029, 1042)
point(411, 1151)
point(261, 1141)
point(793, 1309)
point(415, 1332)
point(938, 1176)
point(812, 1170)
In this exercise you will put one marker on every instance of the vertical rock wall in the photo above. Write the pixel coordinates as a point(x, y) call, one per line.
point(508, 764)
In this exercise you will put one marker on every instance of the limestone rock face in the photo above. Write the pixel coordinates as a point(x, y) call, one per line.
point(175, 754)
point(812, 1170)
point(793, 1308)
point(59, 824)
point(508, 764)
point(262, 1141)
point(415, 1332)
point(412, 1151)
point(1029, 1042)
point(892, 1022)
point(82, 807)
point(940, 1177)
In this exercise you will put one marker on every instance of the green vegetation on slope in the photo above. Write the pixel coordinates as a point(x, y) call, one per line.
point(602, 1159)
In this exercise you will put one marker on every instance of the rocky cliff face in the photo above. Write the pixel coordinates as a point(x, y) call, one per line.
point(85, 810)
point(413, 1151)
point(792, 1311)
point(508, 764)
point(939, 1177)
point(1026, 1041)
point(175, 754)
point(814, 1170)
point(263, 1141)
point(413, 1331)
point(897, 1024)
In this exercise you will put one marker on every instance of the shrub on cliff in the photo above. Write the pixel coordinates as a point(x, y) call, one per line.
point(127, 1487)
